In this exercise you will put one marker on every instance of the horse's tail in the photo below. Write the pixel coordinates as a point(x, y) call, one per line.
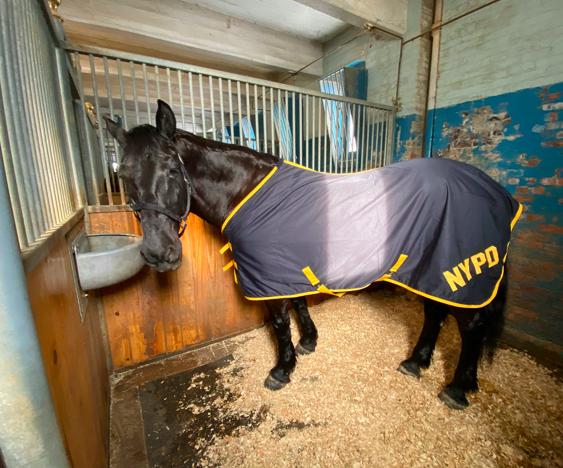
point(494, 313)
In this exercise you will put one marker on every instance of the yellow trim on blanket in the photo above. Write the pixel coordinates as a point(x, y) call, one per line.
point(516, 217)
point(226, 247)
point(229, 265)
point(264, 180)
point(328, 173)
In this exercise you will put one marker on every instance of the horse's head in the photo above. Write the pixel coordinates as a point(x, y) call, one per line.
point(155, 180)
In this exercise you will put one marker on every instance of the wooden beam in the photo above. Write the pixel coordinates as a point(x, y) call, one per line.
point(388, 15)
point(187, 30)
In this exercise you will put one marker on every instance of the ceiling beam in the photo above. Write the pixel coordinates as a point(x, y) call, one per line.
point(188, 32)
point(388, 15)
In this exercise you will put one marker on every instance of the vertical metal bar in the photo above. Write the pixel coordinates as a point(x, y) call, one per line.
point(181, 91)
point(371, 133)
point(239, 115)
point(301, 129)
point(279, 120)
point(378, 118)
point(135, 96)
point(157, 78)
point(170, 100)
point(342, 132)
point(212, 107)
point(202, 103)
point(365, 137)
point(288, 129)
point(313, 154)
point(249, 136)
point(293, 132)
point(391, 131)
point(264, 122)
point(257, 131)
point(115, 145)
point(221, 103)
point(361, 132)
point(325, 139)
point(147, 93)
point(86, 125)
point(319, 139)
point(272, 129)
point(122, 93)
point(232, 132)
point(103, 156)
point(307, 130)
point(190, 80)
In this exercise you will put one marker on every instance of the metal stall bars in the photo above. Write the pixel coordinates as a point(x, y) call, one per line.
point(321, 131)
point(39, 145)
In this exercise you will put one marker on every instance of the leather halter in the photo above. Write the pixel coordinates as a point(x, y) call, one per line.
point(138, 207)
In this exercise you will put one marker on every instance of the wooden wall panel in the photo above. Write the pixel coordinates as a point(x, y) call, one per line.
point(156, 313)
point(75, 359)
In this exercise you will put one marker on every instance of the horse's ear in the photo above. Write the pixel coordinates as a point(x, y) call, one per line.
point(165, 120)
point(115, 130)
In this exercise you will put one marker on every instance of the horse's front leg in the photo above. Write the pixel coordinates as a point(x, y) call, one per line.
point(279, 375)
point(308, 341)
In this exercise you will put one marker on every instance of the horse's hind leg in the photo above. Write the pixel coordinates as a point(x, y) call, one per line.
point(308, 341)
point(279, 375)
point(434, 315)
point(471, 324)
point(480, 330)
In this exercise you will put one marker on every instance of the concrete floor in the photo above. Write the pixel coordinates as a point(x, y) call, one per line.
point(145, 401)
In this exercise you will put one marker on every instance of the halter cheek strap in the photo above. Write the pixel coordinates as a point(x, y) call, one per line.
point(138, 207)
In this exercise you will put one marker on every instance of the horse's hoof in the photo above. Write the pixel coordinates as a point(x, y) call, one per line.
point(409, 368)
point(304, 349)
point(453, 399)
point(271, 383)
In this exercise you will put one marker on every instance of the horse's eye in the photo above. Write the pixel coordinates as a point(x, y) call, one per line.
point(174, 171)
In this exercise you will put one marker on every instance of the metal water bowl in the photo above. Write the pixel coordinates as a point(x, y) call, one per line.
point(106, 259)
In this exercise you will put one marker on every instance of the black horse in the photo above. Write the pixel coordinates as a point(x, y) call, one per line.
point(166, 169)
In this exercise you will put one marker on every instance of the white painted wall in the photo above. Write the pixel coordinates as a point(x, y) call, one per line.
point(505, 47)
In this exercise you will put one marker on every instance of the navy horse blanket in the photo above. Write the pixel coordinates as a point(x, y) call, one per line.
point(437, 227)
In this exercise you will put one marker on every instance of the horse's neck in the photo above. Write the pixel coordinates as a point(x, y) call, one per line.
point(221, 176)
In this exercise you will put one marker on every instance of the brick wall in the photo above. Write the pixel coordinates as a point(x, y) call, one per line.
point(500, 108)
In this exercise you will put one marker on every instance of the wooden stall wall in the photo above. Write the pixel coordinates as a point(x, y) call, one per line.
point(157, 313)
point(74, 357)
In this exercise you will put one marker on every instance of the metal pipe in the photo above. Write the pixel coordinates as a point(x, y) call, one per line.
point(181, 91)
point(147, 93)
point(202, 104)
point(239, 116)
point(248, 125)
point(135, 96)
point(232, 133)
point(264, 121)
point(85, 125)
point(212, 99)
point(69, 127)
point(29, 430)
point(105, 160)
point(157, 78)
point(190, 80)
point(222, 108)
point(112, 116)
point(257, 132)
